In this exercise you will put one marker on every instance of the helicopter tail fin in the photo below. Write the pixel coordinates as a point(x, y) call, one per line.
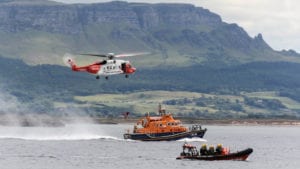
point(69, 61)
point(72, 64)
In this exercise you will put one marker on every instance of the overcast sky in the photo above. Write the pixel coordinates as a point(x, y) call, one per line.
point(277, 20)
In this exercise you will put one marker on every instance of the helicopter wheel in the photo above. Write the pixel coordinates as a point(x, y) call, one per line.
point(126, 76)
point(97, 77)
point(106, 77)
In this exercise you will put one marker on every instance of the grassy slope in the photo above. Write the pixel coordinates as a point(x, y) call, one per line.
point(143, 102)
point(36, 47)
point(168, 46)
point(288, 102)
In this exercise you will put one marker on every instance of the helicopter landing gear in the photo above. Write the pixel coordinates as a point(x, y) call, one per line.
point(97, 77)
point(106, 77)
point(126, 76)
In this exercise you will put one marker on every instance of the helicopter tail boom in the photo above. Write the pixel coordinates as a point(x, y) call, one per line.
point(74, 67)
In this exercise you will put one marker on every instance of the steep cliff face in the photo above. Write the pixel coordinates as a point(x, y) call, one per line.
point(58, 18)
point(181, 34)
point(71, 19)
point(152, 16)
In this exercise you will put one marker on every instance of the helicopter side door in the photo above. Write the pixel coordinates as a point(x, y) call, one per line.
point(123, 67)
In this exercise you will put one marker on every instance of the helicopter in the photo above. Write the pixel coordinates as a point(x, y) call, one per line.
point(107, 67)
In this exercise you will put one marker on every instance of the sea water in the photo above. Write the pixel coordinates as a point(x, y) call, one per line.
point(85, 146)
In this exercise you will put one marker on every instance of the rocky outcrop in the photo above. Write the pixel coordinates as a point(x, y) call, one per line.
point(289, 52)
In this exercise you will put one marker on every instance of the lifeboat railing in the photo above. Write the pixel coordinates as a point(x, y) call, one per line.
point(195, 127)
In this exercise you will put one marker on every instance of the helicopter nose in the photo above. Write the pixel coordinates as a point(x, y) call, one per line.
point(132, 70)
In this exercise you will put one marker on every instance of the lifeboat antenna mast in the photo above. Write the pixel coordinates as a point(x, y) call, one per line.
point(161, 110)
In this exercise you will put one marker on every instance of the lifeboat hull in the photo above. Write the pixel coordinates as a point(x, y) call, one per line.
point(165, 136)
point(240, 155)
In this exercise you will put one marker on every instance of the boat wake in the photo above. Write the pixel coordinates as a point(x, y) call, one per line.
point(192, 140)
point(70, 132)
point(60, 137)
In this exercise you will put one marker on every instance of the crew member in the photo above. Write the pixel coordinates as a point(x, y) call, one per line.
point(219, 149)
point(211, 150)
point(134, 129)
point(203, 150)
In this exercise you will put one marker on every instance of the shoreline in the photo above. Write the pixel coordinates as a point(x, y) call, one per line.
point(48, 121)
point(218, 122)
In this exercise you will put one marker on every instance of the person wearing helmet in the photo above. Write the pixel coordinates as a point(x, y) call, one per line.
point(219, 149)
point(203, 150)
point(211, 150)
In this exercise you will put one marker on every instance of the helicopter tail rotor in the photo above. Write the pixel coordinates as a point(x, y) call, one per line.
point(68, 60)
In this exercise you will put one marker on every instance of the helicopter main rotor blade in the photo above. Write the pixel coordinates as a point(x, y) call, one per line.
point(97, 55)
point(131, 54)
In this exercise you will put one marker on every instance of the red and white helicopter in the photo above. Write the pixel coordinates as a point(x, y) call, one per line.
point(106, 67)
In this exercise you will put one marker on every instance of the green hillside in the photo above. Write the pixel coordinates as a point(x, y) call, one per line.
point(229, 92)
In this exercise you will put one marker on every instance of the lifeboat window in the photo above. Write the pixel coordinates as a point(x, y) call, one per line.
point(160, 125)
point(172, 124)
